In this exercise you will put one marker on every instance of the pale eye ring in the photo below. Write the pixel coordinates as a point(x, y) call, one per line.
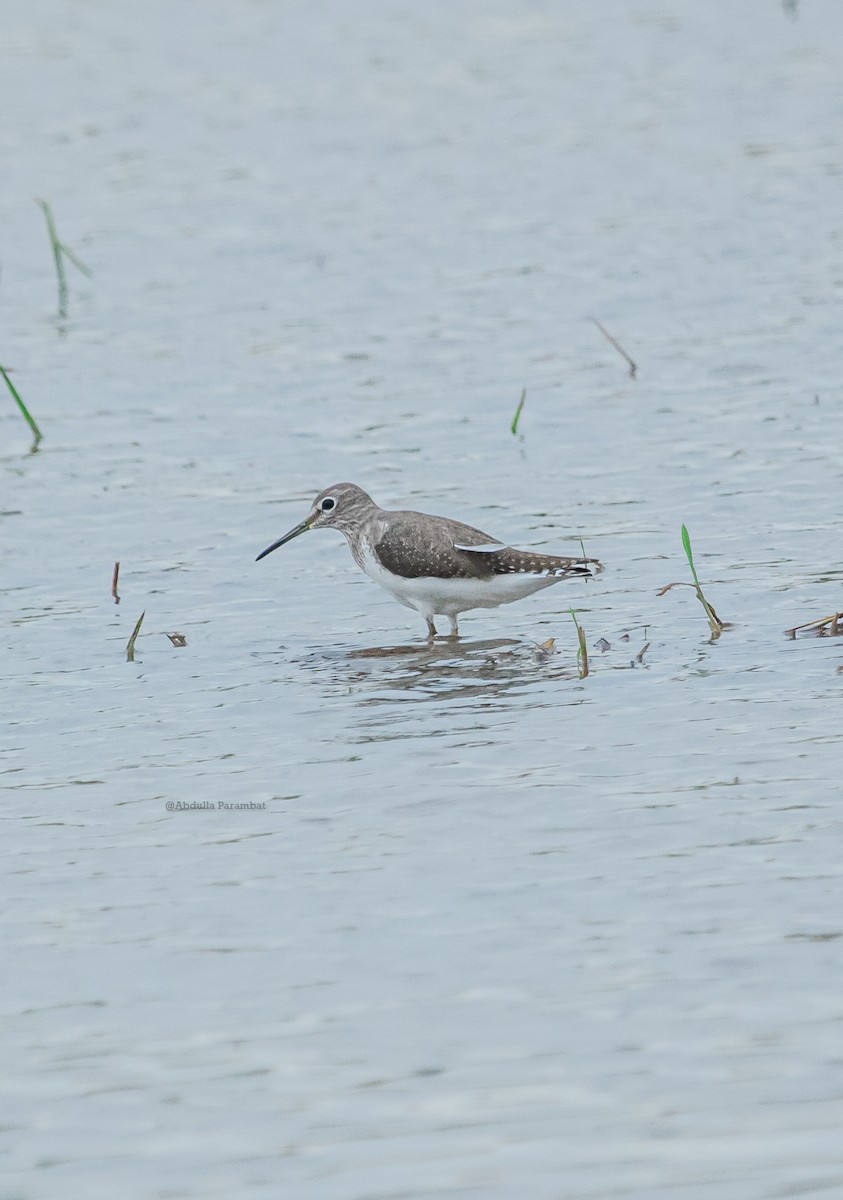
point(328, 503)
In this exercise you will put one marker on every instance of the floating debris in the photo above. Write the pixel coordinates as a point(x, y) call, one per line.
point(115, 576)
point(826, 627)
point(545, 650)
point(178, 639)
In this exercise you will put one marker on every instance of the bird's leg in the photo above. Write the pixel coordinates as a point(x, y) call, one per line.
point(431, 629)
point(455, 629)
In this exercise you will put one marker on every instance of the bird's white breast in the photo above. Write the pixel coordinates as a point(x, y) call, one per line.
point(432, 596)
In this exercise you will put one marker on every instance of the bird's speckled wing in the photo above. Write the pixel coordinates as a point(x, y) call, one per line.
point(509, 561)
point(449, 549)
point(414, 548)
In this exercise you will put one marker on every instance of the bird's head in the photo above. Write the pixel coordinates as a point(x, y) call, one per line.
point(344, 506)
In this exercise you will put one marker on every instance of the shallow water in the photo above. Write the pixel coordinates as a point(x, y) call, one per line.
point(486, 929)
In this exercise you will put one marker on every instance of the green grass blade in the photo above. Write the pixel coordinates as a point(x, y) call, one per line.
point(51, 225)
point(519, 411)
point(714, 621)
point(76, 260)
point(56, 247)
point(30, 420)
point(686, 542)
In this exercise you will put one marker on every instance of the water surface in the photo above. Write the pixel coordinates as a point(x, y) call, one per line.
point(490, 929)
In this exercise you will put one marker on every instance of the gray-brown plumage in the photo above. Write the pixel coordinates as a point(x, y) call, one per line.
point(442, 546)
point(433, 564)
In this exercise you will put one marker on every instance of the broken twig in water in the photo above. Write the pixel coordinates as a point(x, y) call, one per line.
point(826, 627)
point(130, 645)
point(639, 657)
point(114, 579)
point(633, 366)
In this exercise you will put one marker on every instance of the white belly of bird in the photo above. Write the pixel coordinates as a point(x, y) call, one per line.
point(431, 596)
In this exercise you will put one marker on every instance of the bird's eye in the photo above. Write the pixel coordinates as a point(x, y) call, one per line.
point(328, 503)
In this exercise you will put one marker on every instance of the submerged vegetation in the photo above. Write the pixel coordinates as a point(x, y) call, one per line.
point(61, 251)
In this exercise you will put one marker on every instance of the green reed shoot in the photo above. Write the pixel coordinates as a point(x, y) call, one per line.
point(717, 626)
point(130, 645)
point(518, 411)
point(582, 649)
point(61, 251)
point(30, 420)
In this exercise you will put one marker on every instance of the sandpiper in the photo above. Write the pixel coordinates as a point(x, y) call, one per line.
point(434, 565)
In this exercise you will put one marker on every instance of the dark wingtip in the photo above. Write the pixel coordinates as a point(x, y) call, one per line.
point(587, 567)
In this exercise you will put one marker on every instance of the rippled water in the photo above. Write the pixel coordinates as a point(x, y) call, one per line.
point(483, 928)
